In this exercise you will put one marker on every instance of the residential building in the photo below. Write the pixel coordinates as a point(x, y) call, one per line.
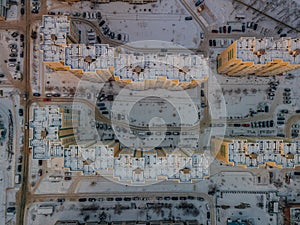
point(3, 9)
point(70, 222)
point(142, 71)
point(238, 222)
point(52, 131)
point(3, 130)
point(182, 165)
point(91, 158)
point(164, 222)
point(56, 33)
point(261, 57)
point(108, 1)
point(249, 152)
point(292, 213)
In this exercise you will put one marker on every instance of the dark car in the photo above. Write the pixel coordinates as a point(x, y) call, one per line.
point(22, 11)
point(60, 200)
point(82, 200)
point(20, 112)
point(15, 34)
point(99, 39)
point(210, 43)
point(109, 199)
point(174, 198)
point(19, 168)
point(208, 215)
point(127, 199)
point(118, 199)
point(92, 199)
point(229, 29)
point(112, 35)
point(214, 43)
point(215, 31)
point(243, 28)
point(188, 18)
point(40, 173)
point(224, 29)
point(13, 54)
point(200, 199)
point(99, 15)
point(56, 95)
point(36, 94)
point(21, 37)
point(199, 2)
point(12, 60)
point(202, 93)
point(255, 26)
point(101, 23)
point(34, 11)
point(119, 37)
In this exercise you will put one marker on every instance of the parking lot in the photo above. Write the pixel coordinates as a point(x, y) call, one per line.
point(13, 52)
point(141, 208)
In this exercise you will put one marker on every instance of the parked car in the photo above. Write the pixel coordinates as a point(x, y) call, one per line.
point(60, 200)
point(229, 29)
point(13, 54)
point(199, 2)
point(101, 23)
point(12, 45)
point(22, 11)
point(224, 29)
point(56, 95)
point(21, 112)
point(255, 26)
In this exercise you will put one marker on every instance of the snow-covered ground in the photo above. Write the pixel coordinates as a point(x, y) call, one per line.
point(163, 20)
point(10, 150)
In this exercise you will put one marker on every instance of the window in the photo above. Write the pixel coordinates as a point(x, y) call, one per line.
point(230, 54)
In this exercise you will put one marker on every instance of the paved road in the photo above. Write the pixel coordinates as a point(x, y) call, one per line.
point(289, 123)
point(23, 193)
point(24, 196)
